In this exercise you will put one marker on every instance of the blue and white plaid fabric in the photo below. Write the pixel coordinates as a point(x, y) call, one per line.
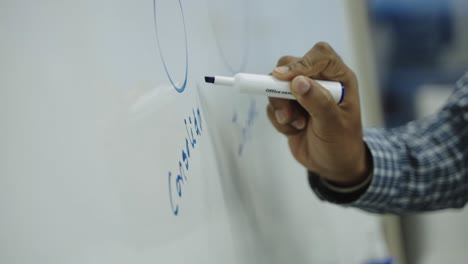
point(423, 165)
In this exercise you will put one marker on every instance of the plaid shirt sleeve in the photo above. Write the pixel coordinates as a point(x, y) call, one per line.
point(423, 165)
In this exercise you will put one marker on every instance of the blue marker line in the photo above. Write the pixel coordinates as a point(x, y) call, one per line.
point(180, 89)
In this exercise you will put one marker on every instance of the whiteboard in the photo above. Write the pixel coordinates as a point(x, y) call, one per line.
point(113, 150)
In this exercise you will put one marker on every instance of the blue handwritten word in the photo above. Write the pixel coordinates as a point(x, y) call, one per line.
point(193, 127)
point(245, 129)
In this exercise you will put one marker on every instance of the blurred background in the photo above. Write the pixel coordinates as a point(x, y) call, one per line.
point(421, 49)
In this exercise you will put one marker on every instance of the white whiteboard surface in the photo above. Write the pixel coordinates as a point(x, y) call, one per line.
point(103, 107)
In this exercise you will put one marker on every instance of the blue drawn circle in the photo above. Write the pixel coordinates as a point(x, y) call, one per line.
point(182, 87)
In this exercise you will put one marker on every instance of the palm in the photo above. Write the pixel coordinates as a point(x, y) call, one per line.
point(310, 148)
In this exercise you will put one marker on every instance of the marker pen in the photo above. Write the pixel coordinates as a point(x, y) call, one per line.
point(270, 86)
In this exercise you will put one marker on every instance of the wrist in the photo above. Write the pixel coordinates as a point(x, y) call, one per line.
point(349, 190)
point(359, 173)
point(365, 164)
point(339, 195)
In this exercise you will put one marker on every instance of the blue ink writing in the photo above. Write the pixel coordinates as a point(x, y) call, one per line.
point(192, 123)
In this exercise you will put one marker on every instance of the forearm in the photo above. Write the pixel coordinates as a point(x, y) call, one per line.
point(421, 166)
point(415, 173)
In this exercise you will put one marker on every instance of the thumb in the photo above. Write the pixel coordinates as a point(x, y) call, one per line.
point(314, 98)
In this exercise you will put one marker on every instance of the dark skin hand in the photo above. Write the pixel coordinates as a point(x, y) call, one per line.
point(324, 137)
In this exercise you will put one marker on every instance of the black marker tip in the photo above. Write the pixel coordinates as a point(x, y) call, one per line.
point(209, 79)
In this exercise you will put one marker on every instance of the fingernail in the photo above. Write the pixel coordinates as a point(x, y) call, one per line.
point(281, 116)
point(299, 124)
point(302, 86)
point(282, 69)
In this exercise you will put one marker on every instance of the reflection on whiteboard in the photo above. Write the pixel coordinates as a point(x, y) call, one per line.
point(244, 125)
point(230, 22)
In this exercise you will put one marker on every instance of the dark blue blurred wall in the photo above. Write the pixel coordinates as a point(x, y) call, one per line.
point(421, 30)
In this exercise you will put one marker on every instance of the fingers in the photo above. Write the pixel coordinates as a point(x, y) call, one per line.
point(281, 110)
point(291, 126)
point(318, 102)
point(321, 62)
point(287, 116)
point(288, 111)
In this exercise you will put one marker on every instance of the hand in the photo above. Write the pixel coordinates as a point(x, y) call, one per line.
point(324, 137)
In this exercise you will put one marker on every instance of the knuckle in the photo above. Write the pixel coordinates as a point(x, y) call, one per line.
point(347, 74)
point(352, 75)
point(323, 47)
point(285, 60)
point(301, 65)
